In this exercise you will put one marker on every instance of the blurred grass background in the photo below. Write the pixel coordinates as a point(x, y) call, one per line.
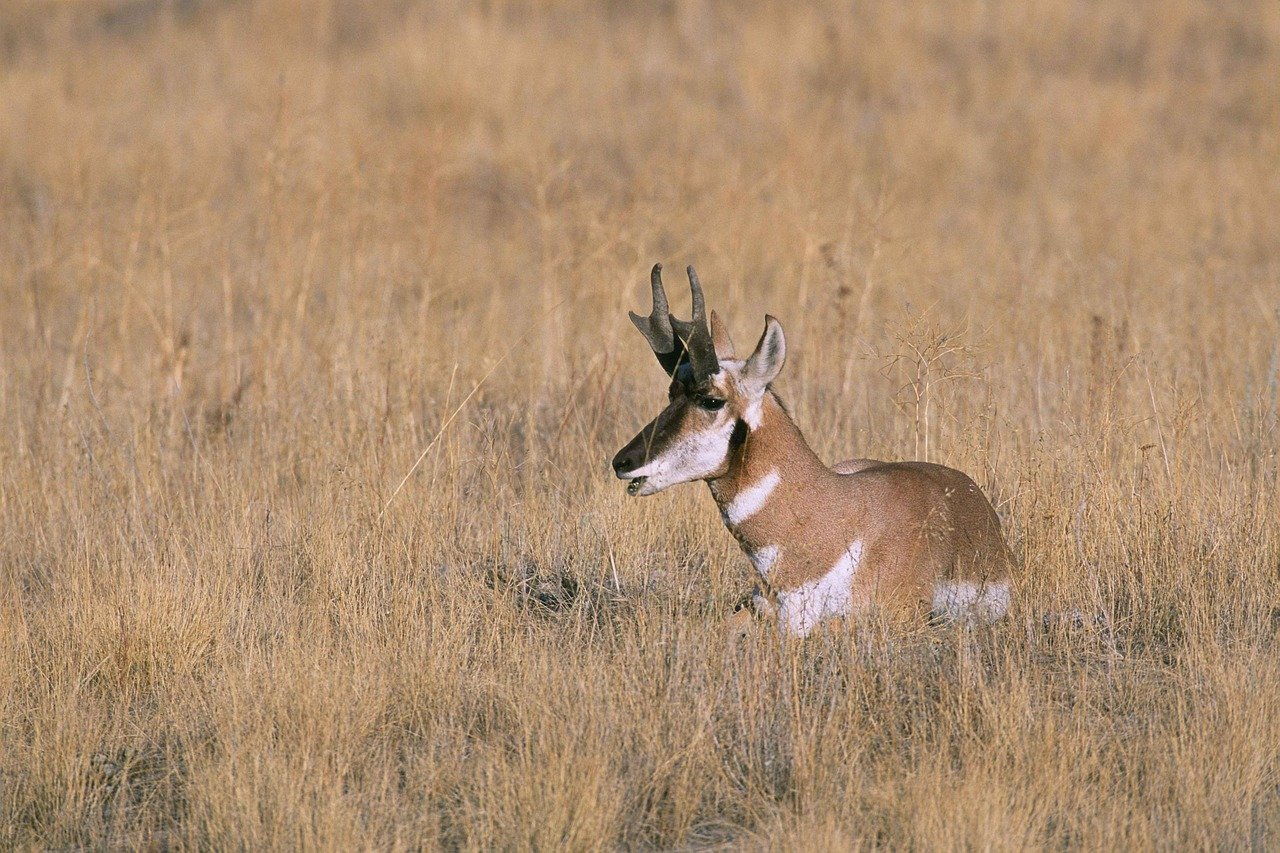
point(314, 354)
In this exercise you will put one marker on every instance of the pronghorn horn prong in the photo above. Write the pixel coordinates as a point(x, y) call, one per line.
point(695, 334)
point(695, 287)
point(656, 328)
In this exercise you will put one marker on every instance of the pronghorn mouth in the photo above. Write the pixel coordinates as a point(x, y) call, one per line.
point(634, 486)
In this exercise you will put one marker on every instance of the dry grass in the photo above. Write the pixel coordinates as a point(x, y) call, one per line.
point(255, 256)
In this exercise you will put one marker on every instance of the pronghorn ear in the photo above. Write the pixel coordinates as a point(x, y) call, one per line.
point(720, 338)
point(766, 362)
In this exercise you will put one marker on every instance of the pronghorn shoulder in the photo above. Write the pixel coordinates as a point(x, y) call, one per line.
point(853, 466)
point(940, 474)
point(926, 475)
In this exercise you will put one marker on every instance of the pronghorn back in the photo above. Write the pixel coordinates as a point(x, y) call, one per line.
point(864, 535)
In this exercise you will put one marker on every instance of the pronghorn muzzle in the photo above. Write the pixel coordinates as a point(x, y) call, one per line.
point(635, 455)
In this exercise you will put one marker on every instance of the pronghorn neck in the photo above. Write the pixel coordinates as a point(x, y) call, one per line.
point(772, 453)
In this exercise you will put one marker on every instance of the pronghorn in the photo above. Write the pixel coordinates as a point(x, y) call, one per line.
point(897, 537)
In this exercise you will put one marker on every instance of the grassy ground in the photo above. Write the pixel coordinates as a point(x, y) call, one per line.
point(314, 353)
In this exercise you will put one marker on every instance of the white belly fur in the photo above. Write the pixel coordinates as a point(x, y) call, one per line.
point(802, 608)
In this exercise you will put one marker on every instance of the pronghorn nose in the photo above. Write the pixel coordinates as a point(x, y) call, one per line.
point(628, 459)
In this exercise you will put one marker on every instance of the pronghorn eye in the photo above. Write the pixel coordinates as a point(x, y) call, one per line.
point(711, 404)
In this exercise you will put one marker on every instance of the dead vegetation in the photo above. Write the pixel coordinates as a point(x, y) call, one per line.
point(314, 355)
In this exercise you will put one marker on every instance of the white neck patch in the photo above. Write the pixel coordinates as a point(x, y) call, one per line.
point(749, 501)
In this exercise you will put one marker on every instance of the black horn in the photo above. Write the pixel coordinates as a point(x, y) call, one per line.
point(674, 341)
point(695, 335)
point(656, 328)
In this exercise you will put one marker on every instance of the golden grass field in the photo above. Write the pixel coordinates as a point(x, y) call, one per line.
point(314, 353)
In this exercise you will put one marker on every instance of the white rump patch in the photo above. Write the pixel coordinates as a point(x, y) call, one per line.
point(749, 501)
point(764, 559)
point(802, 608)
point(966, 601)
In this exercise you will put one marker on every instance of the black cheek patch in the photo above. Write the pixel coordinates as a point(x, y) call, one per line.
point(739, 435)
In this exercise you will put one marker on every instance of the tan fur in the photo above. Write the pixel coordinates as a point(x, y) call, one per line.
point(918, 522)
point(897, 537)
point(853, 466)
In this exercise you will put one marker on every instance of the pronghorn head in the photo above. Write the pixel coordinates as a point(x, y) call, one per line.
point(715, 399)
